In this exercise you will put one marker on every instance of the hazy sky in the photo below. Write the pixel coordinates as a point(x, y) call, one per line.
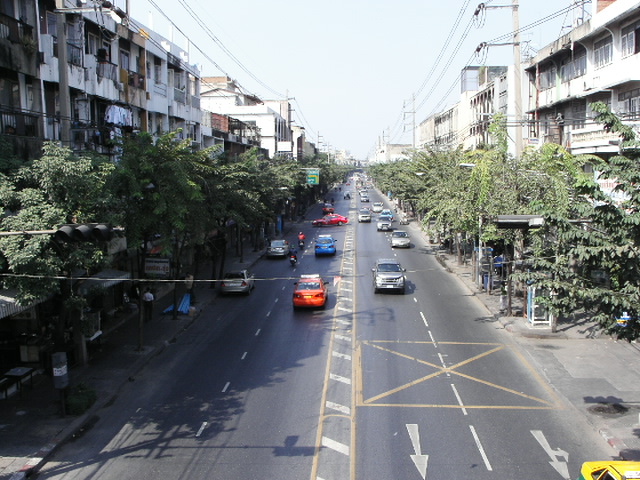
point(354, 69)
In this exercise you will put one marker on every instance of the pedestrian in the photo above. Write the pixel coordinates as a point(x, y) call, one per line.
point(147, 302)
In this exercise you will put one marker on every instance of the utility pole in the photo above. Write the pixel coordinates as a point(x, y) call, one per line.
point(63, 72)
point(517, 81)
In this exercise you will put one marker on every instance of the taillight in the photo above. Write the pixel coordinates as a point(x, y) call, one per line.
point(244, 284)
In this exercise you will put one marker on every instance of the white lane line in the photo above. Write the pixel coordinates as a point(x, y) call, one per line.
point(424, 320)
point(415, 299)
point(343, 337)
point(340, 408)
point(337, 446)
point(226, 385)
point(257, 332)
point(244, 355)
point(339, 378)
point(479, 445)
point(455, 392)
point(343, 322)
point(269, 313)
point(201, 429)
point(341, 355)
point(433, 339)
point(343, 309)
point(276, 300)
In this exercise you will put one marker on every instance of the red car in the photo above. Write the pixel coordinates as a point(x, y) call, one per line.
point(331, 219)
point(310, 291)
point(327, 208)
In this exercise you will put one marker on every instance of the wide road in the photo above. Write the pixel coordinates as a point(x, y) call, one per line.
point(376, 386)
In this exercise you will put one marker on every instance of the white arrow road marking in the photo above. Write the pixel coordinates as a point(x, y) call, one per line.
point(419, 460)
point(560, 466)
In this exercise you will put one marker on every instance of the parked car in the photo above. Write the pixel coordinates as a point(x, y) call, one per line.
point(239, 281)
point(364, 215)
point(278, 248)
point(327, 208)
point(388, 274)
point(384, 223)
point(325, 245)
point(377, 207)
point(400, 238)
point(310, 291)
point(331, 219)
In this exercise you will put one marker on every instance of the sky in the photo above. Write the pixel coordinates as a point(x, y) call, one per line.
point(355, 71)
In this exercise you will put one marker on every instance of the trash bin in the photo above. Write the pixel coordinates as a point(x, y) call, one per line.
point(485, 281)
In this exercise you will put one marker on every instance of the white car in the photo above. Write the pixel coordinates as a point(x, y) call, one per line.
point(377, 207)
point(400, 238)
point(364, 215)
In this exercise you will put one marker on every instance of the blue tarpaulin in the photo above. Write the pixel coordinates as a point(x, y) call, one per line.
point(183, 307)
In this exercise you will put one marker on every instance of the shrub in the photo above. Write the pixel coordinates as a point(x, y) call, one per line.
point(80, 399)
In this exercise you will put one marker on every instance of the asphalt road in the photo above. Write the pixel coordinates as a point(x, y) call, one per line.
point(375, 386)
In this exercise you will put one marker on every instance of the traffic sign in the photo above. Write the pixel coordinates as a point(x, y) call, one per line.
point(313, 176)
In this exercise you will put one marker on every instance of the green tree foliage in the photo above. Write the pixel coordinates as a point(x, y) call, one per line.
point(590, 259)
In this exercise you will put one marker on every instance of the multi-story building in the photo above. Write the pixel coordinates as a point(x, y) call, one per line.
point(271, 117)
point(597, 60)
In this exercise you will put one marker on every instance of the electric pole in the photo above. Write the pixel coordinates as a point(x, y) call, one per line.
point(517, 81)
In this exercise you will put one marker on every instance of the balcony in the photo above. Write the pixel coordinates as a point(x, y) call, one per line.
point(16, 122)
point(14, 30)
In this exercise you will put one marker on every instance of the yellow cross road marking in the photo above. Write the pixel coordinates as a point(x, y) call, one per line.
point(374, 401)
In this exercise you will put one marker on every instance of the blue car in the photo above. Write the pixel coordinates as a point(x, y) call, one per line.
point(325, 245)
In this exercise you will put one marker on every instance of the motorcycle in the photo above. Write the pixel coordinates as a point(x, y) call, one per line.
point(293, 260)
point(301, 244)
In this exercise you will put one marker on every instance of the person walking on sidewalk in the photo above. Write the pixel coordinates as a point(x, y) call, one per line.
point(147, 303)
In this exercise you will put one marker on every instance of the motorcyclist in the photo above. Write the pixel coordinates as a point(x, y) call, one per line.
point(293, 256)
point(301, 237)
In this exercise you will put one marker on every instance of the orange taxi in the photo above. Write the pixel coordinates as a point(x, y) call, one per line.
point(310, 291)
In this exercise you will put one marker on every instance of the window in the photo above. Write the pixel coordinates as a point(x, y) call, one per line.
point(629, 103)
point(603, 52)
point(630, 39)
point(91, 47)
point(574, 66)
point(548, 77)
point(124, 60)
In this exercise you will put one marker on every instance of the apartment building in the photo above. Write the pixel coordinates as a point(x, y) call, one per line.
point(596, 61)
point(84, 76)
point(271, 118)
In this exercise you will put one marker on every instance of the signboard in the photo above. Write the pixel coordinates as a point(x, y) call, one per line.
point(313, 176)
point(157, 267)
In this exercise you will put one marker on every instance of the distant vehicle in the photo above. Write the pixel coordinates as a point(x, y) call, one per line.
point(400, 238)
point(331, 219)
point(278, 248)
point(610, 470)
point(385, 223)
point(388, 274)
point(364, 215)
point(310, 291)
point(388, 212)
point(377, 207)
point(364, 198)
point(325, 245)
point(327, 208)
point(239, 281)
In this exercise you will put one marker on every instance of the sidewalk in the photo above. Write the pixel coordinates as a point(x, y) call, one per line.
point(591, 373)
point(31, 424)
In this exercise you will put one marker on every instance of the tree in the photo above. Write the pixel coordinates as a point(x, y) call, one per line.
point(58, 188)
point(590, 261)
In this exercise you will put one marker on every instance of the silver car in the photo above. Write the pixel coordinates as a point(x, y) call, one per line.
point(240, 281)
point(278, 248)
point(364, 215)
point(400, 238)
point(388, 274)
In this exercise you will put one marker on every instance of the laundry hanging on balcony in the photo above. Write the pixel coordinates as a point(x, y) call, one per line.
point(118, 116)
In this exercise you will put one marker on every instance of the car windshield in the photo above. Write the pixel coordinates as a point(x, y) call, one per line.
point(385, 218)
point(309, 286)
point(324, 241)
point(389, 267)
point(364, 211)
point(400, 234)
point(278, 243)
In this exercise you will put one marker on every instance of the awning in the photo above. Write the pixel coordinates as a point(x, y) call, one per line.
point(103, 279)
point(9, 304)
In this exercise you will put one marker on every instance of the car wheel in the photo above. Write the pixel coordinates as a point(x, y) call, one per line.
point(339, 224)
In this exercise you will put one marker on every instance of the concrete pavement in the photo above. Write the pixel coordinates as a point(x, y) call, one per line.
point(597, 375)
